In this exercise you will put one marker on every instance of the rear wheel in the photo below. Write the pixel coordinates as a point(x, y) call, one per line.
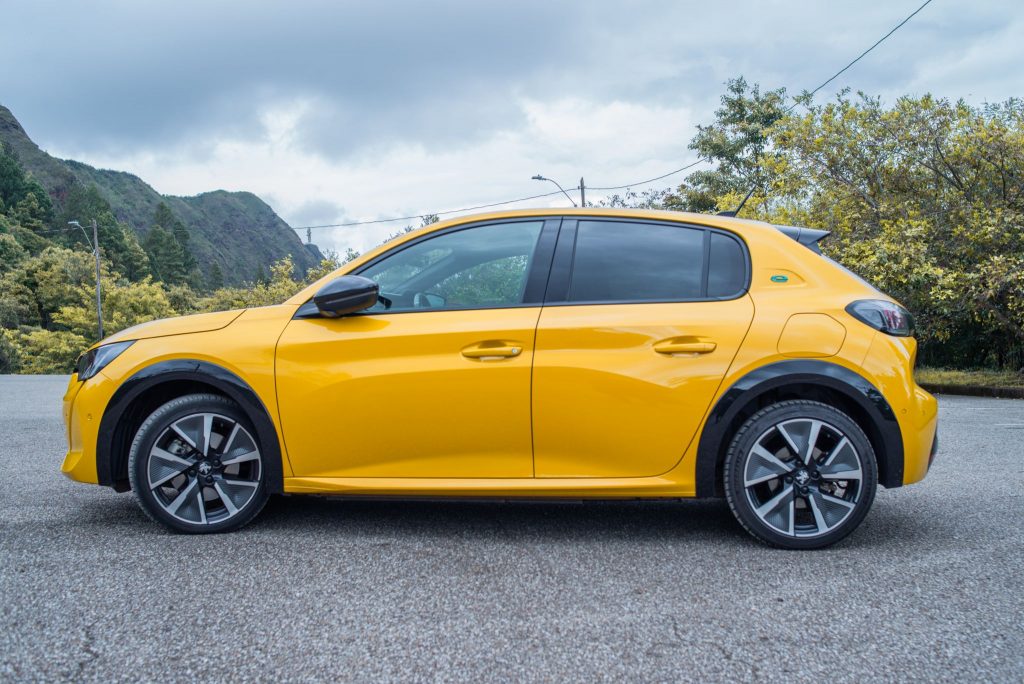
point(800, 475)
point(195, 465)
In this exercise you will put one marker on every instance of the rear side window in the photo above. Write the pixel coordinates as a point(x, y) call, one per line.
point(619, 261)
point(632, 262)
point(727, 268)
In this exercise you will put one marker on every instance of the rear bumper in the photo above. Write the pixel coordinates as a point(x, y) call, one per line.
point(920, 435)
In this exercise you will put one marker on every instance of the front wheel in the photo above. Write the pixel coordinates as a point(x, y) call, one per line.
point(800, 475)
point(196, 466)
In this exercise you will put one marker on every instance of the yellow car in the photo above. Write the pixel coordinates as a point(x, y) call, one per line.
point(583, 354)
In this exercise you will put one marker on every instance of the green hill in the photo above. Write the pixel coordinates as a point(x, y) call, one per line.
point(237, 231)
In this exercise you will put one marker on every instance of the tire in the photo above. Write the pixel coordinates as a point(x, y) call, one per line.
point(195, 466)
point(788, 501)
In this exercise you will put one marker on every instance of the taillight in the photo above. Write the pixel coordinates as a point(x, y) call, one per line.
point(892, 319)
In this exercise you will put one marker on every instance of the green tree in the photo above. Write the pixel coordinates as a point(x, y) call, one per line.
point(10, 352)
point(165, 256)
point(38, 286)
point(16, 186)
point(740, 145)
point(124, 304)
point(215, 278)
point(11, 253)
point(50, 351)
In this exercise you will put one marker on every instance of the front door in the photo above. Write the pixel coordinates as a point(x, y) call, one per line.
point(434, 381)
point(641, 324)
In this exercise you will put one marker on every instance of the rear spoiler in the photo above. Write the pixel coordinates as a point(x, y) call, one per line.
point(809, 237)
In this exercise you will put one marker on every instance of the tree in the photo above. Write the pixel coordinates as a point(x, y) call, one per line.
point(50, 351)
point(215, 278)
point(16, 186)
point(165, 256)
point(124, 304)
point(740, 144)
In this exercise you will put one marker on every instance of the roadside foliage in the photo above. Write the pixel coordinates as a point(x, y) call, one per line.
point(924, 199)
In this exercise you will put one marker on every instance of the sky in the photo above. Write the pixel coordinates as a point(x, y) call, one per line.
point(343, 111)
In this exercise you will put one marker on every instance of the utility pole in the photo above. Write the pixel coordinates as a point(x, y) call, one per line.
point(309, 236)
point(583, 193)
point(95, 244)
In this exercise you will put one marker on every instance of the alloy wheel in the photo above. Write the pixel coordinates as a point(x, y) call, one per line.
point(204, 468)
point(803, 477)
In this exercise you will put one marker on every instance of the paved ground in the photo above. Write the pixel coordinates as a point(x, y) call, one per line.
point(928, 589)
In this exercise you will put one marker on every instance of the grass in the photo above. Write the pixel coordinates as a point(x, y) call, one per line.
point(983, 378)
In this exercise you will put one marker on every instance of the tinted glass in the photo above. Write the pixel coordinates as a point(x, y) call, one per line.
point(472, 268)
point(727, 270)
point(617, 261)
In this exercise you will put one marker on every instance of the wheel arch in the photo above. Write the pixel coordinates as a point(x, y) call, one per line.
point(800, 379)
point(153, 386)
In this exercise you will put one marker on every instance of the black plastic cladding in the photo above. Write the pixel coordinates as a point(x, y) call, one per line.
point(802, 372)
point(111, 461)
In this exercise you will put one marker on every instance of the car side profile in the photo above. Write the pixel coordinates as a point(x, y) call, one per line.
point(582, 354)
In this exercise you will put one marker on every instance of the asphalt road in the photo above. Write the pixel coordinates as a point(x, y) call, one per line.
point(929, 588)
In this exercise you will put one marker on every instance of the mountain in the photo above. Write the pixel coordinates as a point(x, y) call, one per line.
point(236, 230)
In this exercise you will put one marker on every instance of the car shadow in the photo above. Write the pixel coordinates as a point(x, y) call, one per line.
point(319, 519)
point(469, 519)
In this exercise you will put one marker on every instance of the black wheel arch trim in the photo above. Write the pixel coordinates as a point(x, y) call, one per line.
point(112, 458)
point(884, 428)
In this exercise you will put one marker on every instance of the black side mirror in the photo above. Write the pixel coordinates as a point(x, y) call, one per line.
point(346, 294)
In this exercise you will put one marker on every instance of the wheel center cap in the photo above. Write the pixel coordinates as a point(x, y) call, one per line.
point(205, 468)
point(802, 477)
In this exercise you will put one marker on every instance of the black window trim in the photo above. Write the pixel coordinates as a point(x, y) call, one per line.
point(565, 257)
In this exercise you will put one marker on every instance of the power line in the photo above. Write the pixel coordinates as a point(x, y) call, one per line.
point(429, 213)
point(628, 185)
point(861, 55)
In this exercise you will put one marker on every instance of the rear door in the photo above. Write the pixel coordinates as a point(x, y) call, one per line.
point(640, 323)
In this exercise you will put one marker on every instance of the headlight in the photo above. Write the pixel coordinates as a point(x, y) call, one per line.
point(892, 319)
point(93, 361)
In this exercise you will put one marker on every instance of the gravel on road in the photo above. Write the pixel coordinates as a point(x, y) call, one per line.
point(929, 588)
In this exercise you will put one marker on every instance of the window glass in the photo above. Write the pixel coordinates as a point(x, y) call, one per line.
point(618, 261)
point(727, 269)
point(466, 269)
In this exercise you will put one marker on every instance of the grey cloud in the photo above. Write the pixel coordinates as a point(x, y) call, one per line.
point(115, 78)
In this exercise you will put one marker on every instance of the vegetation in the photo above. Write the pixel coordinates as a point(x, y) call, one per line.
point(924, 199)
point(235, 232)
point(969, 378)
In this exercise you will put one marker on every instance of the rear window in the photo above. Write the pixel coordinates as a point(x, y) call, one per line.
point(635, 262)
point(727, 269)
point(623, 261)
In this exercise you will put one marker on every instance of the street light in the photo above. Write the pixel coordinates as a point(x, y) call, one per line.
point(542, 178)
point(95, 244)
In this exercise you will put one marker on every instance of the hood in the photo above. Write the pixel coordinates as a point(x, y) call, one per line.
point(182, 325)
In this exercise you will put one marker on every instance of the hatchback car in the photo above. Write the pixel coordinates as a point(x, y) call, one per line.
point(585, 354)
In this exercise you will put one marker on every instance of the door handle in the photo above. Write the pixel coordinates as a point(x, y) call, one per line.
point(684, 347)
point(490, 350)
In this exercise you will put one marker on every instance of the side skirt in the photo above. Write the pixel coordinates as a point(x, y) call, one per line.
point(572, 488)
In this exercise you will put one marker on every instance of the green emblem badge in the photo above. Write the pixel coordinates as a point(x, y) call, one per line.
point(779, 278)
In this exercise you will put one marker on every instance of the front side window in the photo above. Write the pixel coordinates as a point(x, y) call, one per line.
point(636, 262)
point(474, 268)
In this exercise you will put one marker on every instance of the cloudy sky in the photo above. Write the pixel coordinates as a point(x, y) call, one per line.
point(338, 111)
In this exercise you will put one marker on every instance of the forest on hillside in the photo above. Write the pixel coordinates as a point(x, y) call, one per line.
point(924, 199)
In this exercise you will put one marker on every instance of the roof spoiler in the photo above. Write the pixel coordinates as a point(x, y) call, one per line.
point(809, 237)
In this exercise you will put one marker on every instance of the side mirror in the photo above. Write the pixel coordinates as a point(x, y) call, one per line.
point(346, 294)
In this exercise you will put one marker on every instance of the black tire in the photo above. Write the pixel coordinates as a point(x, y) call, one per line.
point(196, 466)
point(788, 500)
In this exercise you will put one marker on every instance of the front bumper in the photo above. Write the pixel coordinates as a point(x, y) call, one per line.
point(82, 409)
